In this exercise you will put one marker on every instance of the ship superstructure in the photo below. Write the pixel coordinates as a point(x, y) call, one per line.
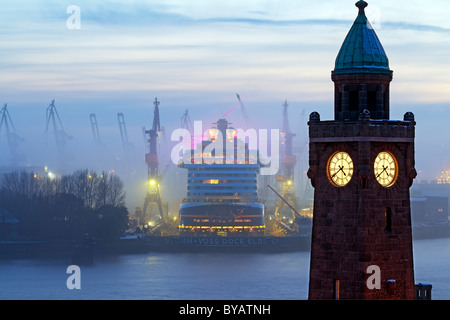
point(222, 196)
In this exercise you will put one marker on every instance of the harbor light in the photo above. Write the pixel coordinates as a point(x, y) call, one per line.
point(51, 175)
point(213, 133)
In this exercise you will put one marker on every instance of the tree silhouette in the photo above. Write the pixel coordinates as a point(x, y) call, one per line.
point(65, 207)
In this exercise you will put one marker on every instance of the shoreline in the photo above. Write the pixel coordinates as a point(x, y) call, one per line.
point(40, 248)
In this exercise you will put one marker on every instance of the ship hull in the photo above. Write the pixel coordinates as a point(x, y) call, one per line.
point(261, 244)
point(216, 219)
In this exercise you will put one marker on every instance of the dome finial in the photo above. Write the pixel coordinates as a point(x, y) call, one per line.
point(361, 4)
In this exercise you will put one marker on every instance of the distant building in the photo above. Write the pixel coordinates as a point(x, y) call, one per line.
point(444, 178)
point(430, 202)
point(8, 224)
point(429, 209)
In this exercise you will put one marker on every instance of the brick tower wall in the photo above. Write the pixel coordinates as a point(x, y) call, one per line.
point(349, 224)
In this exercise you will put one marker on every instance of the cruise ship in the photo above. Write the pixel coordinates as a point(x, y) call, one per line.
point(222, 198)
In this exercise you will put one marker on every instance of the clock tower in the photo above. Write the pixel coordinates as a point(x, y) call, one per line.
point(361, 168)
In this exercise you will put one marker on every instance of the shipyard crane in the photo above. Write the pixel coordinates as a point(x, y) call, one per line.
point(289, 159)
point(186, 122)
point(298, 222)
point(287, 203)
point(287, 166)
point(153, 134)
point(13, 139)
point(244, 112)
point(95, 132)
point(61, 136)
point(153, 194)
point(144, 135)
point(127, 146)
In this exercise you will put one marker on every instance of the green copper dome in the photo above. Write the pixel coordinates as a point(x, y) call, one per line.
point(362, 51)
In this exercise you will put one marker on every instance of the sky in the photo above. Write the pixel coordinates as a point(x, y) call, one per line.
point(196, 55)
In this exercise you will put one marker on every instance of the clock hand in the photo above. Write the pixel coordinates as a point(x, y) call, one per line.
point(341, 168)
point(384, 170)
point(380, 174)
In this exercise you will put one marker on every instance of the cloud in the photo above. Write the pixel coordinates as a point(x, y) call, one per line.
point(416, 27)
point(197, 55)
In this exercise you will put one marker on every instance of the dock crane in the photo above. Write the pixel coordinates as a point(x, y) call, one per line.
point(95, 132)
point(153, 134)
point(244, 112)
point(287, 166)
point(289, 158)
point(17, 156)
point(153, 194)
point(61, 136)
point(127, 146)
point(186, 122)
point(299, 222)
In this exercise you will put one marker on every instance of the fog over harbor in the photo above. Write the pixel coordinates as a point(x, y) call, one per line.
point(95, 96)
point(196, 56)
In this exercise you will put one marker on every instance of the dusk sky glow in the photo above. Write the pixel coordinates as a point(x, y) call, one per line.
point(198, 54)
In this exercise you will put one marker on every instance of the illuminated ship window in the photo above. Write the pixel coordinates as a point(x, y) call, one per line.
point(211, 181)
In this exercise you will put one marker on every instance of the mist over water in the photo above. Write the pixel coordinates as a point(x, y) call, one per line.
point(196, 276)
point(111, 156)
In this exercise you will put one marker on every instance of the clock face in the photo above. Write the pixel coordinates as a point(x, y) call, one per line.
point(340, 169)
point(385, 169)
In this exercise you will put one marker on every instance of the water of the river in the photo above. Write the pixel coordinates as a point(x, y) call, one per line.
point(197, 276)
